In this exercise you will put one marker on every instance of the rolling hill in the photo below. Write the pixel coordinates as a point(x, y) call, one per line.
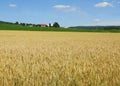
point(13, 26)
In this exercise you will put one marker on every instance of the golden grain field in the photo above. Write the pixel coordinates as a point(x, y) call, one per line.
point(59, 59)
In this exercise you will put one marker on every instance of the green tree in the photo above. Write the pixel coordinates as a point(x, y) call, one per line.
point(16, 22)
point(49, 24)
point(56, 24)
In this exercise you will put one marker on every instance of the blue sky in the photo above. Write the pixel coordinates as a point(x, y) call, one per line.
point(65, 12)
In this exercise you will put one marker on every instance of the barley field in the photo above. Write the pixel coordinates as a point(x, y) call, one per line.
point(59, 58)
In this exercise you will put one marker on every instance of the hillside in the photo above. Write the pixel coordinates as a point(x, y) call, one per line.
point(97, 27)
point(12, 26)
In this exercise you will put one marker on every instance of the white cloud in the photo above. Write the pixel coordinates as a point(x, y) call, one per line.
point(61, 6)
point(97, 20)
point(67, 8)
point(103, 4)
point(12, 5)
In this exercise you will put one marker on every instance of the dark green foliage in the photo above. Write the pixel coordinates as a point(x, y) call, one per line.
point(50, 25)
point(4, 22)
point(16, 22)
point(37, 25)
point(22, 24)
point(112, 28)
point(98, 27)
point(56, 25)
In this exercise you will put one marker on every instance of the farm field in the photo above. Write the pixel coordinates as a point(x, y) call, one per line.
point(30, 58)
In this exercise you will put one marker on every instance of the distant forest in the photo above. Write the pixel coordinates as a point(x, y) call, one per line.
point(4, 22)
point(97, 27)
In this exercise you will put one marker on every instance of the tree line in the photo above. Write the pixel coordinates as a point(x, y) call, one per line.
point(97, 27)
point(55, 24)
